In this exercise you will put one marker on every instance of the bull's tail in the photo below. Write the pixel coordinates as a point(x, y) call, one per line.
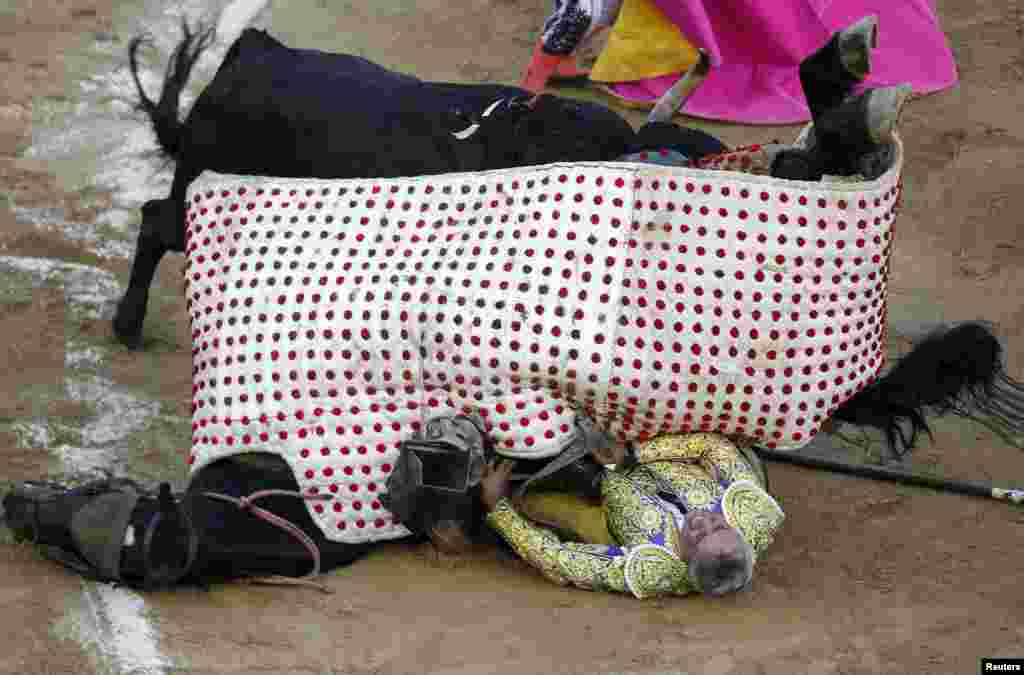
point(164, 113)
point(956, 369)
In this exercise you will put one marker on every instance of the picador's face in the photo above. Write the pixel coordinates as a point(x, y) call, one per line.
point(709, 534)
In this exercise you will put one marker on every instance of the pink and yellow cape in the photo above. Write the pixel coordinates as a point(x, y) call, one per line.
point(756, 48)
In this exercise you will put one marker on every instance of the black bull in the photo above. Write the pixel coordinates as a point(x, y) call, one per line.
point(276, 111)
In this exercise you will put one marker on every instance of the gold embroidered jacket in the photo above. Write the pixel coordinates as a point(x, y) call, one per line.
point(644, 506)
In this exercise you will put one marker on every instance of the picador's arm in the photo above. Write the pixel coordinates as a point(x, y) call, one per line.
point(633, 517)
point(594, 567)
point(717, 454)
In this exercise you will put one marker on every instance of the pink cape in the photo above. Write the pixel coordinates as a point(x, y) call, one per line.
point(756, 48)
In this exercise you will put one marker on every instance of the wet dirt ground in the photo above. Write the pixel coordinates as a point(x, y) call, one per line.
point(865, 578)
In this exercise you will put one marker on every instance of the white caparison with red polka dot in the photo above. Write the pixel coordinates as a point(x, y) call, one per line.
point(330, 318)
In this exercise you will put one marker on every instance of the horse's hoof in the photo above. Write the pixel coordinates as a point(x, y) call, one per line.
point(855, 45)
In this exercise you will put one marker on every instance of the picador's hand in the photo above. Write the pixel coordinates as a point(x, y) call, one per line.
point(495, 483)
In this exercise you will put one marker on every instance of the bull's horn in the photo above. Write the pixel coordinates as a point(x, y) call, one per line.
point(473, 128)
point(467, 132)
point(491, 107)
point(673, 100)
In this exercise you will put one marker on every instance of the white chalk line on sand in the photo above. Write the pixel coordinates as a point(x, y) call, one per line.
point(110, 622)
point(113, 622)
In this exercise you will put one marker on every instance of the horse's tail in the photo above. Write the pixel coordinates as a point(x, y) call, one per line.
point(163, 114)
point(957, 369)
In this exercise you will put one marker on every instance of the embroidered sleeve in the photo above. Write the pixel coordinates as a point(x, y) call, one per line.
point(590, 566)
point(652, 570)
point(717, 454)
point(753, 512)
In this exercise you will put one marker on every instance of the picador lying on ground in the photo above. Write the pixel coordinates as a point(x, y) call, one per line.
point(681, 512)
